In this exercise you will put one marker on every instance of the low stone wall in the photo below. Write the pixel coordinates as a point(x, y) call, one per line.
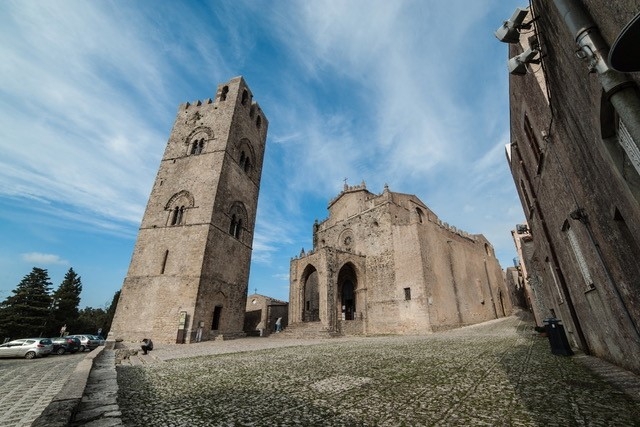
point(62, 408)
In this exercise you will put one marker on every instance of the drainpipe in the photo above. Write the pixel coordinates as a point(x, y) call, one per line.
point(620, 89)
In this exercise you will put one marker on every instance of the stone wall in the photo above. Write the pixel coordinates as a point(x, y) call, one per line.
point(190, 264)
point(578, 190)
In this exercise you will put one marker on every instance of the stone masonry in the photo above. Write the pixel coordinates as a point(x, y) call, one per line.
point(190, 264)
point(386, 263)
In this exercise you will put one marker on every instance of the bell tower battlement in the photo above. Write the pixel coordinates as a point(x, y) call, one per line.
point(189, 270)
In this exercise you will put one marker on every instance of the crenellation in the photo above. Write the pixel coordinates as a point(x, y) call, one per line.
point(190, 266)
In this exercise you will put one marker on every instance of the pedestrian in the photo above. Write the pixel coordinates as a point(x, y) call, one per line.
point(147, 345)
point(279, 324)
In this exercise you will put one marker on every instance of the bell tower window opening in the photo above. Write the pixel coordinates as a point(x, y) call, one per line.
point(223, 94)
point(197, 146)
point(178, 213)
point(245, 97)
point(235, 226)
point(258, 122)
point(245, 162)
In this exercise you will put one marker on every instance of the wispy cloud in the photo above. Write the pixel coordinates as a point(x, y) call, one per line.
point(43, 259)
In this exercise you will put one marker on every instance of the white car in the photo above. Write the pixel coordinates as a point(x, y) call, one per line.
point(28, 348)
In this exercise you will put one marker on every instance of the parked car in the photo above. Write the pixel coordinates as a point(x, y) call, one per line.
point(87, 342)
point(62, 345)
point(100, 339)
point(28, 348)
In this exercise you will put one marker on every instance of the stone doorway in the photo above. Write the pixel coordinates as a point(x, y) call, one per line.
point(311, 300)
point(346, 293)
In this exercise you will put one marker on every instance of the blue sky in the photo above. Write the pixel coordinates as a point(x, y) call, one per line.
point(413, 94)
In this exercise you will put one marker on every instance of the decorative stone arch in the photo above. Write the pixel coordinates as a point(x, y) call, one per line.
point(346, 295)
point(245, 156)
point(310, 292)
point(238, 219)
point(177, 207)
point(197, 139)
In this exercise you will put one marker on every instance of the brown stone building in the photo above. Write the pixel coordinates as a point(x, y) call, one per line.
point(190, 266)
point(384, 263)
point(262, 313)
point(575, 159)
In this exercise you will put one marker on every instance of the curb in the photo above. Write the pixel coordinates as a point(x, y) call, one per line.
point(62, 408)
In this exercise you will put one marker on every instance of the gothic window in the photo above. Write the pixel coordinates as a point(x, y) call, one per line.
point(235, 227)
point(223, 94)
point(197, 146)
point(245, 97)
point(237, 218)
point(246, 154)
point(420, 215)
point(178, 213)
point(177, 207)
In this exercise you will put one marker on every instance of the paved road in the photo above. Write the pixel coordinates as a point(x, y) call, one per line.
point(29, 385)
point(499, 373)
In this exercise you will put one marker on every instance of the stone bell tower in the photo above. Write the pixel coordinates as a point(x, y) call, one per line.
point(189, 271)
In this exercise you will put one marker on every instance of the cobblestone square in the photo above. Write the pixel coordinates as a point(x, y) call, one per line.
point(496, 374)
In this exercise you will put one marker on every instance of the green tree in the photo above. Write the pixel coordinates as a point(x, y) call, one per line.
point(27, 312)
point(66, 302)
point(90, 320)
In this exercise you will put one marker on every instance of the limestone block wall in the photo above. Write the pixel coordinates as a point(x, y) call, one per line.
point(193, 251)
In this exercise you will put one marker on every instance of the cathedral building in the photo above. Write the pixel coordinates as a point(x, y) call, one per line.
point(385, 264)
point(189, 270)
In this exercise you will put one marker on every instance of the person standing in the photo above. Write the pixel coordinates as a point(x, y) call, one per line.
point(279, 324)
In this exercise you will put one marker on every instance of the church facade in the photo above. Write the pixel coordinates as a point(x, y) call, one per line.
point(385, 263)
point(189, 270)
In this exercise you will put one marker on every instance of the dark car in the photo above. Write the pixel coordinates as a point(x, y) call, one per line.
point(87, 342)
point(62, 345)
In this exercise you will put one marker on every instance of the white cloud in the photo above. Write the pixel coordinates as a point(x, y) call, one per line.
point(43, 259)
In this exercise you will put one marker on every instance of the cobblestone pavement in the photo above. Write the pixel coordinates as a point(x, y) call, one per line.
point(27, 386)
point(499, 373)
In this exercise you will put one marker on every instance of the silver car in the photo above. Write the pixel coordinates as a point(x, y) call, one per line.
point(87, 342)
point(28, 348)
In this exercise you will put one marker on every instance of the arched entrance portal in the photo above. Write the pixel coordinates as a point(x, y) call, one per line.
point(347, 283)
point(311, 296)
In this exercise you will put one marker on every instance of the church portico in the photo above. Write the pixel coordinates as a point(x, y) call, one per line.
point(328, 288)
point(381, 264)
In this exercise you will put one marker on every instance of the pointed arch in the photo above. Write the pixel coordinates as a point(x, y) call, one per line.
point(245, 156)
point(310, 294)
point(347, 285)
point(177, 206)
point(238, 219)
point(197, 139)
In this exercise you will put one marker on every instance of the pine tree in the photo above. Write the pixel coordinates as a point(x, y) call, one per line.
point(66, 301)
point(27, 312)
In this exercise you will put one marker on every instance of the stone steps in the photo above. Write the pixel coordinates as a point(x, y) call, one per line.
point(307, 330)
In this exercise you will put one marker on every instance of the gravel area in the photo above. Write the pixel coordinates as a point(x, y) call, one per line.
point(496, 374)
